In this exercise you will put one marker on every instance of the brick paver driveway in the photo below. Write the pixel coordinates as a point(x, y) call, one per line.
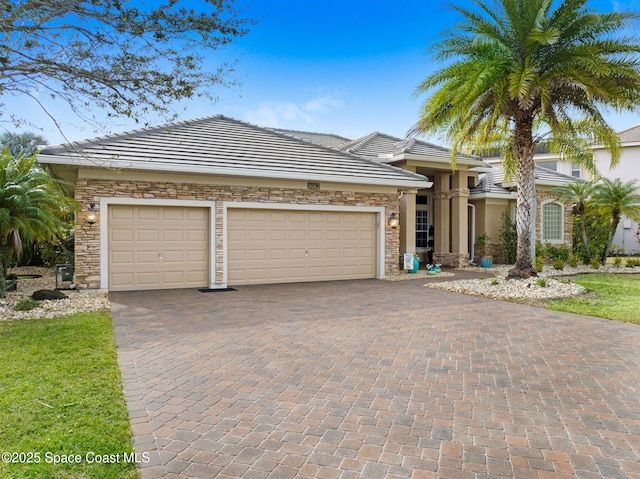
point(375, 379)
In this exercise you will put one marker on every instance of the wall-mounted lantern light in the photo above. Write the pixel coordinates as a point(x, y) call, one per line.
point(393, 221)
point(91, 216)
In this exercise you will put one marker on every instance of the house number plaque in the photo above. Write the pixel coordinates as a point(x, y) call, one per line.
point(313, 186)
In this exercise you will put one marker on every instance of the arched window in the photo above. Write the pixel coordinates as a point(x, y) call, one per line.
point(552, 222)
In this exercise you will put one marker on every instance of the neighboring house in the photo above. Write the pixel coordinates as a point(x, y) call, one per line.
point(217, 202)
point(628, 169)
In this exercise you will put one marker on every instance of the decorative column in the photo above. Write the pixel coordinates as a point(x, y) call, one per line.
point(459, 219)
point(408, 222)
point(441, 217)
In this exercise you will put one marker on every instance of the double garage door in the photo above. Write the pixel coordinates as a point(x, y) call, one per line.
point(163, 247)
point(288, 246)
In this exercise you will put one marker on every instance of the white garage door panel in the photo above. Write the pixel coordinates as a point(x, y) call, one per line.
point(281, 246)
point(157, 247)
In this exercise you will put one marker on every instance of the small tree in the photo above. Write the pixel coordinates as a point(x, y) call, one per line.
point(32, 207)
point(614, 199)
point(508, 238)
point(579, 194)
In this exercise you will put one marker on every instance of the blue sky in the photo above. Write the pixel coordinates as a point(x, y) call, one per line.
point(348, 67)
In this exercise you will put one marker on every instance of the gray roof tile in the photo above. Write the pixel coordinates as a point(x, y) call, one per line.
point(325, 139)
point(493, 182)
point(225, 146)
point(630, 135)
point(376, 144)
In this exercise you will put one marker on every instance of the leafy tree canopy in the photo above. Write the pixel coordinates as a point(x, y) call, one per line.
point(126, 57)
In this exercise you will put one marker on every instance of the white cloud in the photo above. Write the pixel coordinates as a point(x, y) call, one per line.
point(323, 104)
point(292, 115)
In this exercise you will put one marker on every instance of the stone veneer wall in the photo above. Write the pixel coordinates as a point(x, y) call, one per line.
point(542, 196)
point(87, 249)
point(454, 260)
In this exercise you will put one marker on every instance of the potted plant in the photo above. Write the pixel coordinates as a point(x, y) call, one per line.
point(486, 261)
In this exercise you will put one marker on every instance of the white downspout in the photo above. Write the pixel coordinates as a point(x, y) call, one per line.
point(473, 232)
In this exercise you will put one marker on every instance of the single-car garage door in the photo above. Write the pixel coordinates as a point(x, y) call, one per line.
point(287, 246)
point(157, 247)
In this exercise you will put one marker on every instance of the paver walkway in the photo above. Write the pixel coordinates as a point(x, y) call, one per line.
point(375, 379)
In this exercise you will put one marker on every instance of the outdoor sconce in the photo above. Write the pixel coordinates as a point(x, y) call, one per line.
point(91, 217)
point(393, 221)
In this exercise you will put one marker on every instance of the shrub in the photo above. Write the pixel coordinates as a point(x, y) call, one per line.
point(573, 261)
point(558, 263)
point(632, 262)
point(617, 261)
point(508, 238)
point(539, 264)
point(542, 282)
point(595, 263)
point(557, 252)
point(26, 305)
point(597, 235)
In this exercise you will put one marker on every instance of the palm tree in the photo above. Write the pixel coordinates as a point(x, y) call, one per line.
point(519, 74)
point(614, 199)
point(580, 195)
point(32, 206)
point(26, 144)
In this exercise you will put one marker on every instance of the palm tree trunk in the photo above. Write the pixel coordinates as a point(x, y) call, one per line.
point(615, 221)
point(585, 239)
point(525, 202)
point(3, 274)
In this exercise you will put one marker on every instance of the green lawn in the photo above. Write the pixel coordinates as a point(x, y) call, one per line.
point(611, 296)
point(61, 399)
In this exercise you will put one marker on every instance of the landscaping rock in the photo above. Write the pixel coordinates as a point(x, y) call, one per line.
point(48, 294)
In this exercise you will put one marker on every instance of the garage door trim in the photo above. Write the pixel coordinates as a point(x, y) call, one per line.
point(104, 230)
point(380, 233)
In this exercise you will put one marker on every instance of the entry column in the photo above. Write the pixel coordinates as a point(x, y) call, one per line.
point(408, 222)
point(441, 220)
point(460, 219)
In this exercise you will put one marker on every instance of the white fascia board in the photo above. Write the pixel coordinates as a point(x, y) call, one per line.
point(622, 144)
point(208, 170)
point(507, 196)
point(512, 184)
point(435, 159)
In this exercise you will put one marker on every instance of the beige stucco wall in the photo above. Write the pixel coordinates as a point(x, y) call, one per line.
point(91, 190)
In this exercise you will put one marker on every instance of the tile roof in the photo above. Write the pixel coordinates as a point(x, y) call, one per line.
point(630, 135)
point(224, 146)
point(494, 182)
point(378, 144)
point(325, 139)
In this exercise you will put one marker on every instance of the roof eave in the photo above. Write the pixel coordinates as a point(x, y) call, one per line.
point(434, 159)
